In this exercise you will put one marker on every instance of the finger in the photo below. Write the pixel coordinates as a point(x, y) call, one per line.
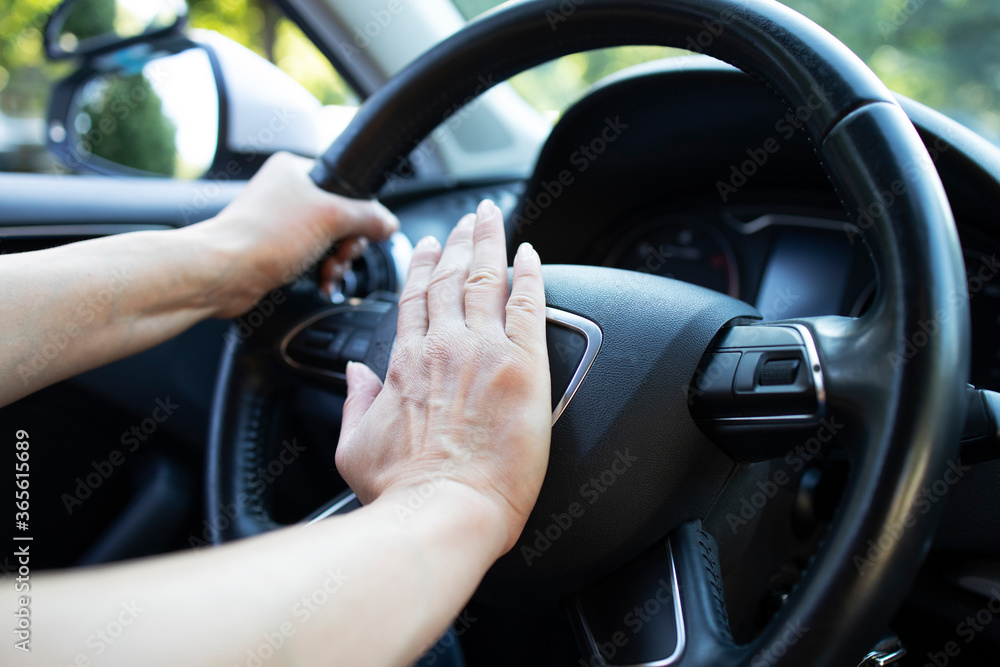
point(336, 265)
point(351, 248)
point(412, 319)
point(357, 217)
point(363, 386)
point(526, 305)
point(333, 270)
point(446, 290)
point(486, 288)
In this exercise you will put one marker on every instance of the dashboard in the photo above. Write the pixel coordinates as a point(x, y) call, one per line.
point(794, 262)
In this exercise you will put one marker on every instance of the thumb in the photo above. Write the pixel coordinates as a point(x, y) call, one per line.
point(363, 386)
point(360, 217)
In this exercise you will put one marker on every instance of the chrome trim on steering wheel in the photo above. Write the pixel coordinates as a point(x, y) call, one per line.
point(678, 619)
point(334, 508)
point(594, 337)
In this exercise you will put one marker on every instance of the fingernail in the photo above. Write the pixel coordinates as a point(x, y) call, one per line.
point(525, 249)
point(467, 221)
point(427, 243)
point(486, 208)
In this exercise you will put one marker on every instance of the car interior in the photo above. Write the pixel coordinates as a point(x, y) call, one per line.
point(772, 304)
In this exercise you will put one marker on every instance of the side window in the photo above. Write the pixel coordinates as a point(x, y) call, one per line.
point(27, 77)
point(260, 26)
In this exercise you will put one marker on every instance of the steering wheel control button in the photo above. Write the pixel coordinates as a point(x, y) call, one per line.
point(770, 381)
point(762, 388)
point(779, 372)
point(758, 377)
point(369, 317)
point(711, 393)
point(313, 348)
point(758, 336)
point(359, 330)
point(317, 340)
point(358, 346)
point(340, 340)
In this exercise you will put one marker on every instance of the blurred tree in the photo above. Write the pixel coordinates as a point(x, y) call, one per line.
point(258, 25)
point(127, 126)
point(91, 18)
point(944, 53)
point(25, 76)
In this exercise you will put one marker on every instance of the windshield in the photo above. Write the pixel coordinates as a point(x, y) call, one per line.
point(944, 53)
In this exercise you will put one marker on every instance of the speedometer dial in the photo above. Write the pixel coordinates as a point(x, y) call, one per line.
point(682, 250)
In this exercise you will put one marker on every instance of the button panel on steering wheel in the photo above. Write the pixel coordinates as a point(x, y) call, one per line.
point(364, 330)
point(359, 330)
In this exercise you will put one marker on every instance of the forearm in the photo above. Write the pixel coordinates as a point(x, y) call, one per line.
point(375, 587)
point(72, 308)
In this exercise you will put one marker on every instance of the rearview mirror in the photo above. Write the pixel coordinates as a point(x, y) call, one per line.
point(89, 27)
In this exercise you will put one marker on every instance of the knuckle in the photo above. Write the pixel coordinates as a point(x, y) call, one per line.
point(512, 374)
point(485, 277)
point(445, 274)
point(413, 295)
point(442, 349)
point(407, 379)
point(404, 356)
point(342, 457)
point(395, 375)
point(521, 302)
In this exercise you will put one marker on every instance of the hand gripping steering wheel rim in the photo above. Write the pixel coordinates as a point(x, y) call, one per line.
point(904, 423)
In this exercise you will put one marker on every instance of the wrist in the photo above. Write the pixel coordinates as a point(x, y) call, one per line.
point(220, 259)
point(444, 507)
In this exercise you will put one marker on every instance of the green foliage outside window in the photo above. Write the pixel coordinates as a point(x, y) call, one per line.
point(26, 77)
point(944, 53)
point(126, 125)
point(98, 19)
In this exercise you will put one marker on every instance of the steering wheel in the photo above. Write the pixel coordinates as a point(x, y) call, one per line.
point(887, 386)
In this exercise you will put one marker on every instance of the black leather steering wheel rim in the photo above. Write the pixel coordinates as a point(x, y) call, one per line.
point(866, 145)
